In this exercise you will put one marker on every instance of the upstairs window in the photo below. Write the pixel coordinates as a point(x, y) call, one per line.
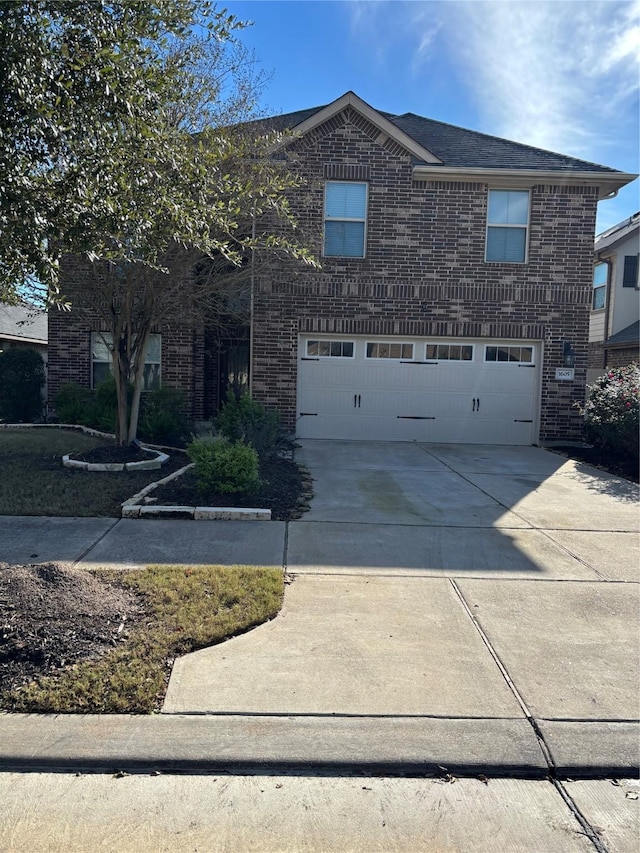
point(507, 223)
point(599, 286)
point(345, 219)
point(102, 365)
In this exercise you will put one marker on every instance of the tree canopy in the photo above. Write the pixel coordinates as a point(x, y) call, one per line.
point(119, 135)
point(126, 138)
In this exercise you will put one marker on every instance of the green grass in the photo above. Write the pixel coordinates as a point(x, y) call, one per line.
point(187, 608)
point(35, 483)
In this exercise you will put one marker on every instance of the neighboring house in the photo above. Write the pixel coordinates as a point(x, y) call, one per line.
point(23, 326)
point(453, 300)
point(614, 326)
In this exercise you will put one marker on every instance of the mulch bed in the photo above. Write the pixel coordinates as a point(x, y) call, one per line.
point(110, 453)
point(52, 616)
point(283, 491)
point(596, 457)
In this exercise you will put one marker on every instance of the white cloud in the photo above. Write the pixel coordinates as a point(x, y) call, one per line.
point(556, 75)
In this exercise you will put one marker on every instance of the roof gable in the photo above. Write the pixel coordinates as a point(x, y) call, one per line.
point(387, 129)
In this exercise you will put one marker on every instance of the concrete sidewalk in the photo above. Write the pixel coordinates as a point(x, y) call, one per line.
point(468, 607)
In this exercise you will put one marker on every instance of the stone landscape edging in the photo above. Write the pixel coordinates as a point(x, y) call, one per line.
point(132, 509)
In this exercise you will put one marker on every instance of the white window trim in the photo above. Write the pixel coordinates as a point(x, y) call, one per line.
point(330, 341)
point(364, 220)
point(507, 225)
point(602, 287)
point(378, 359)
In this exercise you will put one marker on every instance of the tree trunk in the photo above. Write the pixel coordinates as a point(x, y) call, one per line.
point(121, 376)
point(139, 360)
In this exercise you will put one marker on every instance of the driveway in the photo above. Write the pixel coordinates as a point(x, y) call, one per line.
point(463, 510)
point(478, 599)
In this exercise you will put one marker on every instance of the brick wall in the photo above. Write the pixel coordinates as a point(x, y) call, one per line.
point(425, 273)
point(621, 356)
point(182, 358)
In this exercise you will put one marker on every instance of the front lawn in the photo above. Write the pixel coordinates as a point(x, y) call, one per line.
point(105, 642)
point(34, 481)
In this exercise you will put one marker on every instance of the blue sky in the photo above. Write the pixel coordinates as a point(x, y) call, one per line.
point(562, 75)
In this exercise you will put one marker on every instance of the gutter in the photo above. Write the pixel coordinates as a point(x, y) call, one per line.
point(608, 183)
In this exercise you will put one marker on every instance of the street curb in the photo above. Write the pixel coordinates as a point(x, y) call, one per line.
point(263, 744)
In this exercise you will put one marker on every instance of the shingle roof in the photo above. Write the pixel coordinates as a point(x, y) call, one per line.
point(23, 322)
point(617, 232)
point(630, 335)
point(459, 147)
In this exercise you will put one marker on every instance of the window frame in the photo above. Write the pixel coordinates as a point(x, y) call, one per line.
point(329, 341)
point(363, 220)
point(448, 360)
point(102, 337)
point(599, 288)
point(382, 358)
point(515, 363)
point(521, 227)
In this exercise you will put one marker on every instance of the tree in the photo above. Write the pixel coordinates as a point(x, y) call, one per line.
point(173, 198)
point(95, 98)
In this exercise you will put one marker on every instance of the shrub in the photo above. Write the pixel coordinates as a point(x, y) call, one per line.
point(106, 405)
point(611, 412)
point(22, 378)
point(164, 416)
point(242, 419)
point(75, 404)
point(223, 466)
point(95, 409)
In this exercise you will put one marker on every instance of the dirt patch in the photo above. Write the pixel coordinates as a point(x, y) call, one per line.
point(52, 616)
point(283, 491)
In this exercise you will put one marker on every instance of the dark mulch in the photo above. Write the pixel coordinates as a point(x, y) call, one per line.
point(621, 467)
point(111, 453)
point(52, 616)
point(284, 486)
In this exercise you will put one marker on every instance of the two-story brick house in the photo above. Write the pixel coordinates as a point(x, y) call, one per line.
point(453, 299)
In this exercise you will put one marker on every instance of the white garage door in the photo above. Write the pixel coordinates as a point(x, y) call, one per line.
point(417, 389)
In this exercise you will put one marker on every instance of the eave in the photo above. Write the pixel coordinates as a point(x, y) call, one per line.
point(608, 183)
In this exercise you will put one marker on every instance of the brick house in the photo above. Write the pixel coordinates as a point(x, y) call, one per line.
point(614, 325)
point(452, 303)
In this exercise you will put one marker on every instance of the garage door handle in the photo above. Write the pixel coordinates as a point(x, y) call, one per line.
point(415, 417)
point(357, 401)
point(520, 421)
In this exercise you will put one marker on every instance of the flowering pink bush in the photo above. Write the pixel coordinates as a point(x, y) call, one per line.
point(611, 412)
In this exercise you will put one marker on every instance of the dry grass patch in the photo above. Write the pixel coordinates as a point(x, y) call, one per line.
point(183, 608)
point(35, 482)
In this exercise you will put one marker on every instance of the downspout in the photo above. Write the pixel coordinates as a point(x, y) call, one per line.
point(251, 307)
point(607, 305)
point(607, 302)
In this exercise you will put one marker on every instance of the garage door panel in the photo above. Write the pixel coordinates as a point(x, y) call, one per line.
point(443, 401)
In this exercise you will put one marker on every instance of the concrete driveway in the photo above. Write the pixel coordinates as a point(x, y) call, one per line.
point(482, 598)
